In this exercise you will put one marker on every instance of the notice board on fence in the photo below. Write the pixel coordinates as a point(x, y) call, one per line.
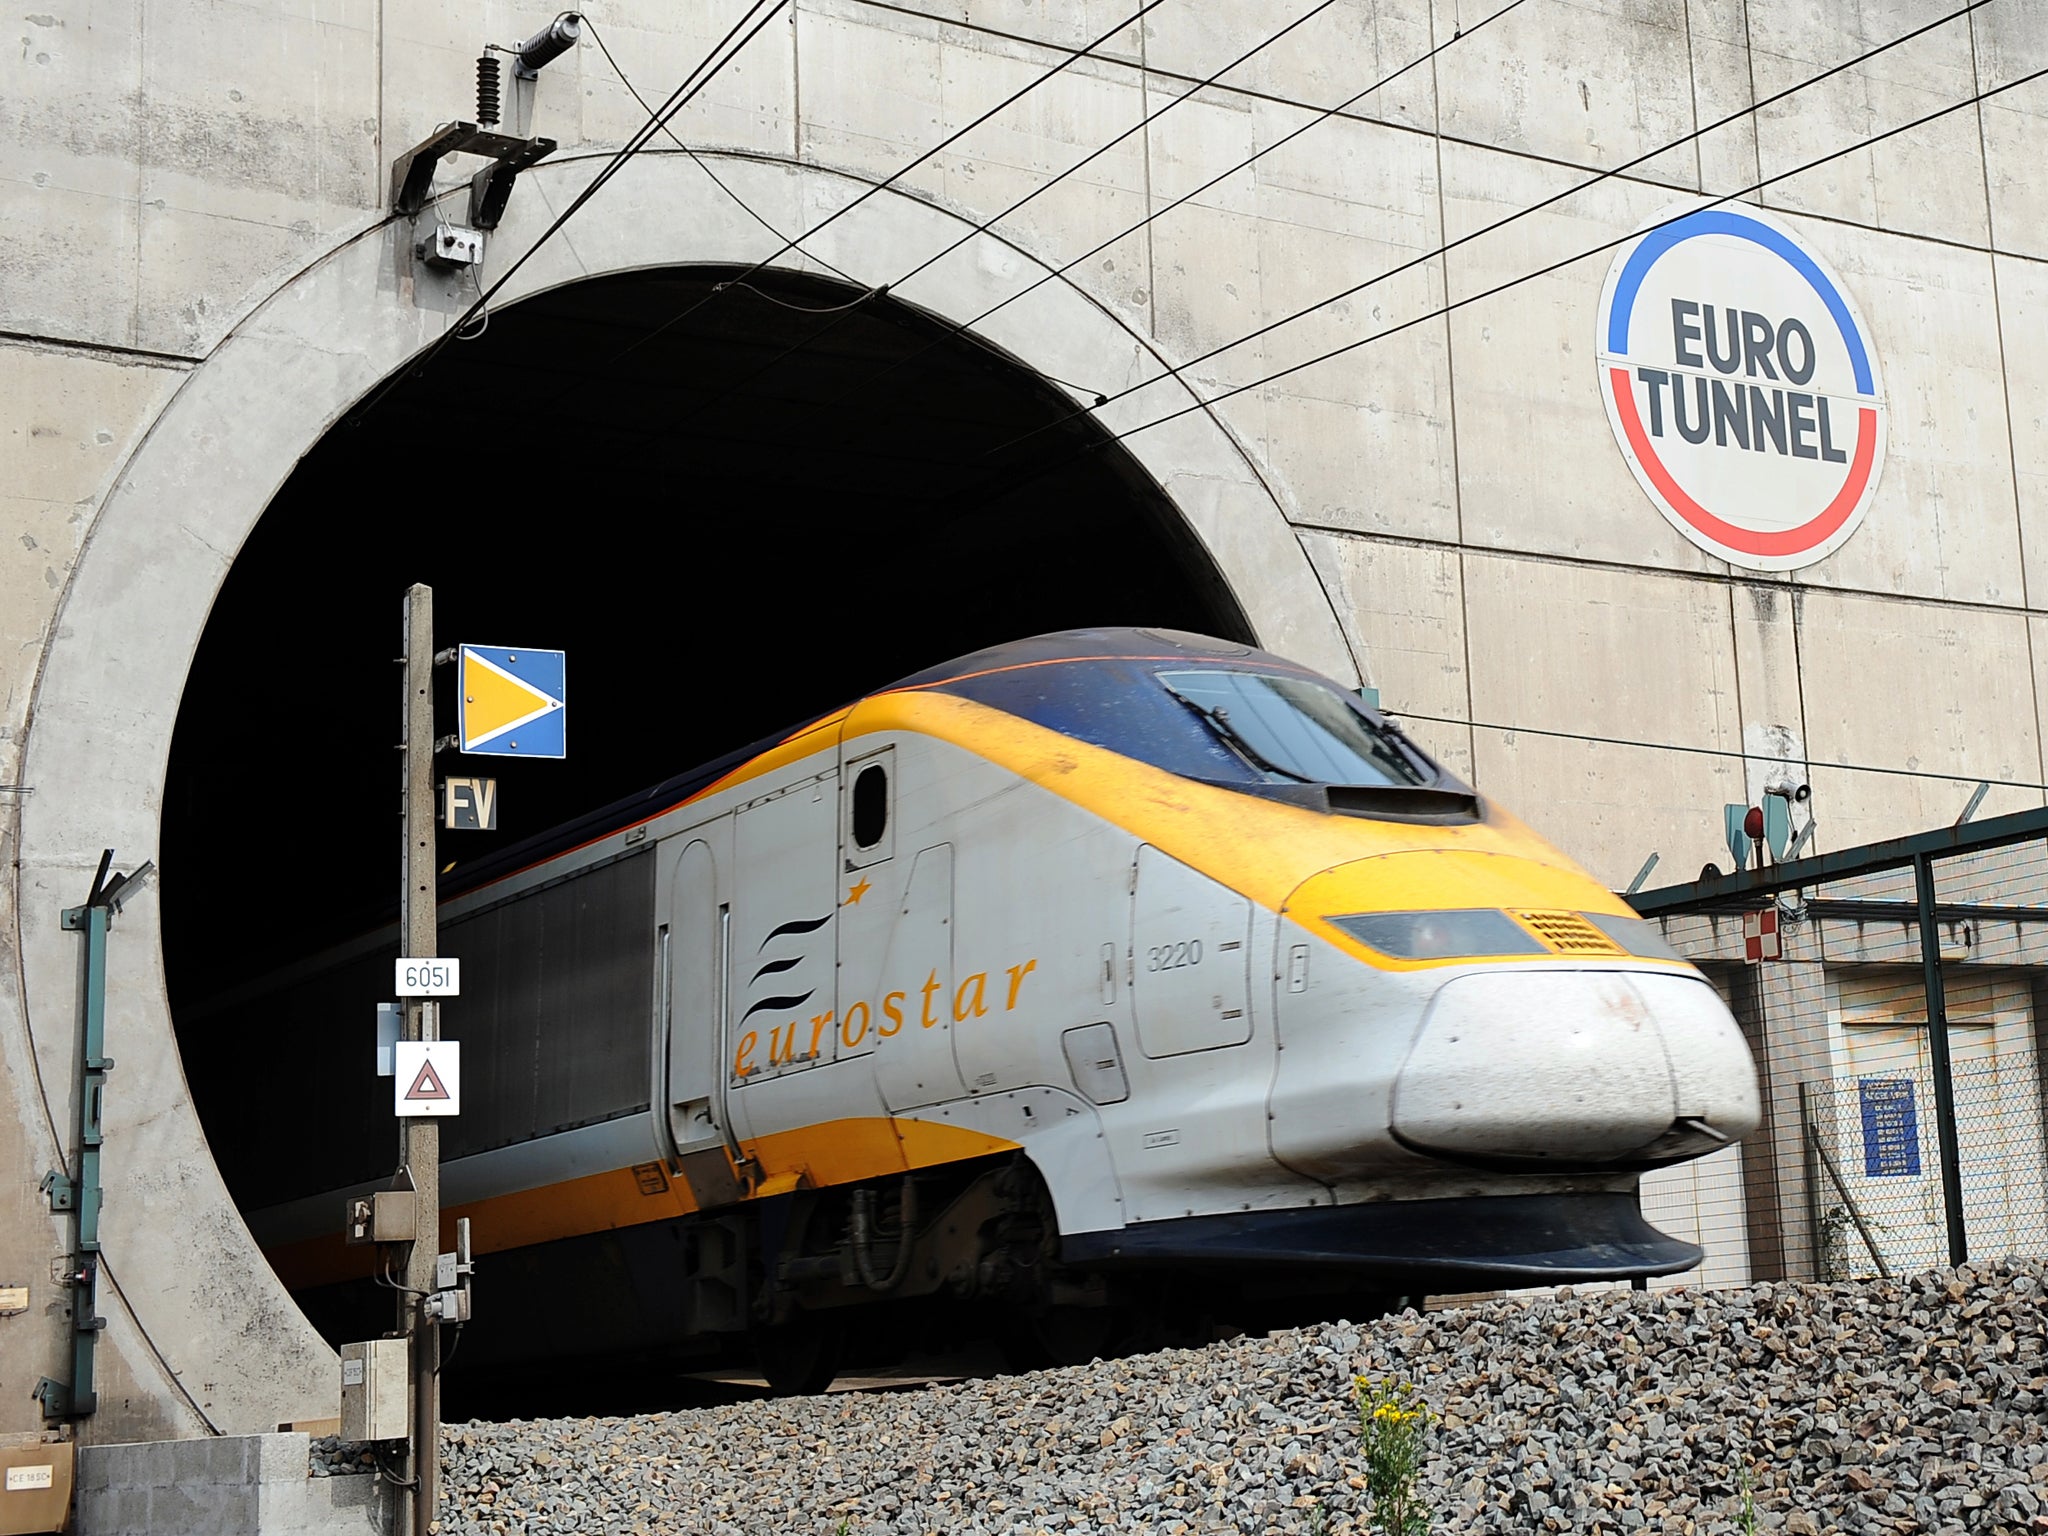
point(1891, 1128)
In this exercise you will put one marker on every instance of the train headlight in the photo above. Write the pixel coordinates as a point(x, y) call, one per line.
point(1442, 935)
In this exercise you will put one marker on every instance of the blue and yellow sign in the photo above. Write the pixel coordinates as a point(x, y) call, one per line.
point(512, 702)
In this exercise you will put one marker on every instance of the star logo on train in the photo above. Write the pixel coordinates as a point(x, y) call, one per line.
point(855, 892)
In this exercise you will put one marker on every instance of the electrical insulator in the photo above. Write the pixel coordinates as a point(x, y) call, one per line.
point(487, 90)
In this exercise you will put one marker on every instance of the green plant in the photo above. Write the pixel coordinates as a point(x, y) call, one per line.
point(1393, 1422)
point(1745, 1518)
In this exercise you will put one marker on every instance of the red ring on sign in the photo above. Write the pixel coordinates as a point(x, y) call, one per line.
point(1749, 541)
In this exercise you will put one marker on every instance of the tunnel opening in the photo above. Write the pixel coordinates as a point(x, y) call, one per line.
point(730, 522)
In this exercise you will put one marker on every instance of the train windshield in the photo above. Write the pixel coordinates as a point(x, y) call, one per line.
point(1292, 728)
point(1221, 724)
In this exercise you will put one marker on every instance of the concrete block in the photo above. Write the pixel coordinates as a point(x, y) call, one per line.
point(1528, 389)
point(1605, 653)
point(1598, 83)
point(1403, 611)
point(884, 90)
point(1330, 58)
point(2009, 44)
point(1721, 89)
point(1942, 522)
point(1929, 181)
point(46, 289)
point(750, 104)
point(1939, 703)
point(2023, 315)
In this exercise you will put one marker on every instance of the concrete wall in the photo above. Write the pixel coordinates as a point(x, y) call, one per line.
point(196, 277)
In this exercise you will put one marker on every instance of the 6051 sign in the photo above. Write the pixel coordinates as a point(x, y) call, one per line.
point(429, 978)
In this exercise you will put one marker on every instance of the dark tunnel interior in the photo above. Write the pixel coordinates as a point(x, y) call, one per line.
point(724, 539)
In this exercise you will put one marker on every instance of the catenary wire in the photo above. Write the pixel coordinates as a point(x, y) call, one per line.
point(694, 82)
point(878, 187)
point(1002, 485)
point(597, 36)
point(754, 214)
point(1438, 252)
point(1720, 752)
point(1322, 115)
point(1556, 266)
point(724, 396)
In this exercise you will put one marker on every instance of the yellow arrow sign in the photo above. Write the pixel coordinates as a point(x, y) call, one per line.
point(494, 701)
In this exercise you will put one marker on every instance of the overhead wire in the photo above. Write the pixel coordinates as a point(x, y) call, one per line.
point(1439, 252)
point(693, 83)
point(1322, 115)
point(876, 188)
point(1556, 266)
point(597, 36)
point(724, 396)
point(1717, 752)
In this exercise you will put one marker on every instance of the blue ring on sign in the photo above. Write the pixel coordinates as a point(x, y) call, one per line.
point(1719, 221)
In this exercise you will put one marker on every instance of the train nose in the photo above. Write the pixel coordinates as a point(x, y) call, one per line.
point(1574, 1067)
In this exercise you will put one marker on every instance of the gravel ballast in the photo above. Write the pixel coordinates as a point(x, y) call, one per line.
point(1917, 1405)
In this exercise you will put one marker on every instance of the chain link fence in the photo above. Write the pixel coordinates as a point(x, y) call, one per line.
point(1891, 996)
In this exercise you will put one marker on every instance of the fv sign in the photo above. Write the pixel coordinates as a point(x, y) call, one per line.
point(1742, 387)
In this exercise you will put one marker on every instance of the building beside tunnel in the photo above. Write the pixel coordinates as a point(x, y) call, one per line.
point(1372, 332)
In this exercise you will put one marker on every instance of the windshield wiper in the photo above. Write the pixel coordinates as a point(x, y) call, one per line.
point(1219, 722)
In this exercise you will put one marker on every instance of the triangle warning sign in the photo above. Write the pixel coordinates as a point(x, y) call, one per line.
point(494, 701)
point(427, 1085)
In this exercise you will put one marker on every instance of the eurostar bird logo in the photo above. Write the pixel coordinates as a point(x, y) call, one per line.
point(772, 969)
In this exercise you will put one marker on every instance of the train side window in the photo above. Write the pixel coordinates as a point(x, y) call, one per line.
point(867, 825)
point(870, 805)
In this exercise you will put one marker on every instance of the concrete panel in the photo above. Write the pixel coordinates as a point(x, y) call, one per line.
point(2023, 321)
point(1765, 624)
point(1403, 611)
point(67, 420)
point(1333, 56)
point(1528, 389)
point(2012, 41)
point(1363, 440)
point(1615, 654)
point(1722, 88)
point(1589, 83)
point(1942, 523)
point(749, 104)
point(1929, 181)
point(69, 143)
point(1912, 688)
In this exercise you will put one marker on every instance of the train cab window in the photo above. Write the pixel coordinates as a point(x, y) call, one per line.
point(1295, 728)
point(870, 805)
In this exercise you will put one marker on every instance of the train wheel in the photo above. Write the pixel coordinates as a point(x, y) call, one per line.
point(799, 1358)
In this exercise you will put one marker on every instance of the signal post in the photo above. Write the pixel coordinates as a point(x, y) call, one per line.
point(419, 1137)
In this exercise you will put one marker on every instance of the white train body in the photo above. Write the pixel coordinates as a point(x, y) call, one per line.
point(934, 934)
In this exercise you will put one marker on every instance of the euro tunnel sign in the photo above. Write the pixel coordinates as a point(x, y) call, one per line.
point(512, 702)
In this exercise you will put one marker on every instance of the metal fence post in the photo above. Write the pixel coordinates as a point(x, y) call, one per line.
point(1937, 1052)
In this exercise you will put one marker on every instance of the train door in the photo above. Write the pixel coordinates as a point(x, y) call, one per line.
point(871, 881)
point(690, 1080)
point(1190, 960)
point(781, 991)
point(913, 1012)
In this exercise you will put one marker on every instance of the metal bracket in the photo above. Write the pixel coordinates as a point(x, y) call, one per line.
point(55, 1396)
point(62, 1191)
point(412, 173)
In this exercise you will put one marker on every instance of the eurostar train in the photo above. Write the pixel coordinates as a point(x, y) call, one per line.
point(1104, 978)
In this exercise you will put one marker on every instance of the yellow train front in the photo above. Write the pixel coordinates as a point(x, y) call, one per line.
point(1100, 982)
